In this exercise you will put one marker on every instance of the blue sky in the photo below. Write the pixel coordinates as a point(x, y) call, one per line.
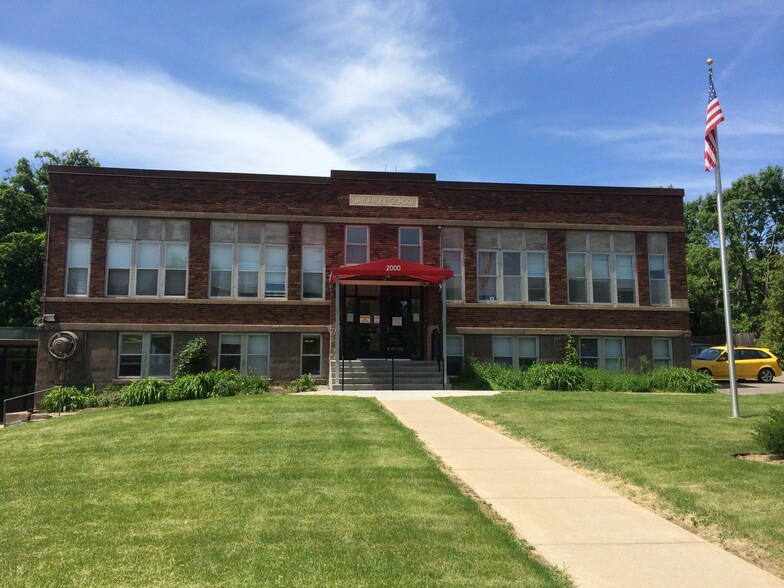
point(560, 92)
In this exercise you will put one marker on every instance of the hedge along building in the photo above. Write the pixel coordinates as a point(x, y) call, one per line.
point(265, 268)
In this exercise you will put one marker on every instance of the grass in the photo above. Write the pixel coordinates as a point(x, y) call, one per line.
point(677, 446)
point(243, 491)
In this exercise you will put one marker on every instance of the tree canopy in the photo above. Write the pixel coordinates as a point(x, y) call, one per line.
point(753, 213)
point(23, 194)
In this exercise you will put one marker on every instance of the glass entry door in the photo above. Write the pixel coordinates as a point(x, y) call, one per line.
point(382, 327)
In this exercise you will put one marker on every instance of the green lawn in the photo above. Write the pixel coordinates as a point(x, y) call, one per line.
point(677, 445)
point(243, 491)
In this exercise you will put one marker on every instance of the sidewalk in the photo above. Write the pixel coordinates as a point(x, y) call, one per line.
point(600, 538)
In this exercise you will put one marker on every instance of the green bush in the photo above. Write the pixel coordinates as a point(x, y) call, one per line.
point(676, 379)
point(561, 376)
point(192, 387)
point(63, 399)
point(769, 432)
point(570, 353)
point(192, 357)
point(304, 383)
point(554, 376)
point(253, 384)
point(147, 391)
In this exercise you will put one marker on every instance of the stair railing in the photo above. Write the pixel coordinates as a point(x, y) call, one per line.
point(438, 353)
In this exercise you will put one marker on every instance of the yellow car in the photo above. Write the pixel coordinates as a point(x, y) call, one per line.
point(750, 363)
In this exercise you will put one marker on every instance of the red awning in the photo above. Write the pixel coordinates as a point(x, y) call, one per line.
point(392, 268)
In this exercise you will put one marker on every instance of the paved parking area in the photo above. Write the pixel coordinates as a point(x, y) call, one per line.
point(746, 387)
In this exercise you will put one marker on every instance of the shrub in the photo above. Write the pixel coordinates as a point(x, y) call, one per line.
point(192, 387)
point(599, 380)
point(304, 383)
point(253, 384)
point(554, 376)
point(147, 391)
point(63, 399)
point(769, 433)
point(192, 357)
point(494, 376)
point(676, 379)
point(570, 353)
point(109, 396)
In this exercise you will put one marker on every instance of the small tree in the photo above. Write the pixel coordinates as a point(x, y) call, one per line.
point(772, 335)
point(192, 357)
point(571, 357)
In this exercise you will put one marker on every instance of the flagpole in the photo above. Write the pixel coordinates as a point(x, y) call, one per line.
point(725, 280)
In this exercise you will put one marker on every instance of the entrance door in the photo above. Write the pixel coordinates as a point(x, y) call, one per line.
point(381, 327)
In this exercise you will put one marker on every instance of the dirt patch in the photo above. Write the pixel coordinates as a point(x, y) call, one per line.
point(761, 457)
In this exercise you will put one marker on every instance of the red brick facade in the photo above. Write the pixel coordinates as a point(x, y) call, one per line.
point(200, 198)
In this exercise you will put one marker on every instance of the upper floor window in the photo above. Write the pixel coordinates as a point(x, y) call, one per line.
point(411, 244)
point(452, 258)
point(147, 257)
point(313, 242)
point(77, 273)
point(657, 269)
point(248, 260)
point(357, 245)
point(143, 355)
point(600, 268)
point(511, 265)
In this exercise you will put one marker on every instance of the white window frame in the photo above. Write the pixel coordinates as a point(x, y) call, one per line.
point(661, 361)
point(346, 244)
point(448, 355)
point(590, 279)
point(514, 342)
point(322, 249)
point(401, 245)
point(244, 351)
point(601, 358)
point(262, 271)
point(70, 266)
point(133, 268)
point(500, 277)
point(145, 355)
point(665, 280)
point(457, 278)
point(303, 355)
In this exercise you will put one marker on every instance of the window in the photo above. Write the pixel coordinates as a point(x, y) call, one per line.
point(452, 258)
point(603, 353)
point(248, 260)
point(246, 353)
point(657, 269)
point(454, 355)
point(77, 273)
point(311, 355)
point(313, 242)
point(519, 352)
point(357, 245)
point(600, 268)
point(147, 257)
point(662, 353)
point(512, 265)
point(143, 355)
point(411, 244)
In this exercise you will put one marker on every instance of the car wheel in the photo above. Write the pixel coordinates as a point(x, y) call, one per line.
point(705, 371)
point(766, 375)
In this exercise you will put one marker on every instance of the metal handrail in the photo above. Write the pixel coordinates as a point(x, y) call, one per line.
point(7, 400)
point(438, 353)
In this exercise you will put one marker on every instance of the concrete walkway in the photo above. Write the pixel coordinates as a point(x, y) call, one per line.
point(600, 538)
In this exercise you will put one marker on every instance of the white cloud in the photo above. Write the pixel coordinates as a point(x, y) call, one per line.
point(136, 117)
point(366, 74)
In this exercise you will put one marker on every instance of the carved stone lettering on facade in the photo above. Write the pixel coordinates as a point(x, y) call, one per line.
point(383, 200)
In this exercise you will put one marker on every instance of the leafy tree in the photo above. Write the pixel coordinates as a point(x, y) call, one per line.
point(23, 195)
point(772, 335)
point(754, 210)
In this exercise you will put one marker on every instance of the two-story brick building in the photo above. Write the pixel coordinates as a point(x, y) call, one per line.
point(265, 268)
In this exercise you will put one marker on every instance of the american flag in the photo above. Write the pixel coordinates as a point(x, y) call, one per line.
point(715, 116)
